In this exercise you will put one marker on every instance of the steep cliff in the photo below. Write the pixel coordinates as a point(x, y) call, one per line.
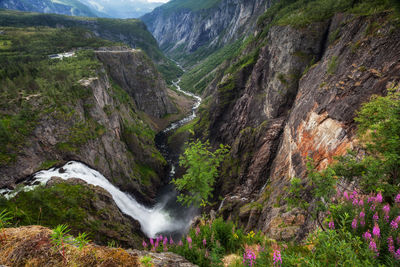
point(131, 32)
point(53, 111)
point(196, 28)
point(296, 98)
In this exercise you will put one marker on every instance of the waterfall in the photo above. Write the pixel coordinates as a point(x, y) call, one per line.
point(152, 220)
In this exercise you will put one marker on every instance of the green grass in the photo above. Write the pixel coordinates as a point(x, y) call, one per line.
point(193, 80)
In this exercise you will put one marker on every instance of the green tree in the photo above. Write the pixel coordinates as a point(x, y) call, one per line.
point(379, 133)
point(201, 170)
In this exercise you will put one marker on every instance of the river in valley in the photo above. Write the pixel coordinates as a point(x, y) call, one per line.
point(167, 217)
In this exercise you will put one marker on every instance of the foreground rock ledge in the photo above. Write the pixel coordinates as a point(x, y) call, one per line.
point(31, 246)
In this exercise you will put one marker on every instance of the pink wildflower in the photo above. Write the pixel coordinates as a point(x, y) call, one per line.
point(249, 257)
point(144, 244)
point(376, 231)
point(397, 254)
point(197, 230)
point(151, 241)
point(362, 214)
point(391, 245)
point(331, 225)
point(361, 203)
point(394, 225)
point(277, 258)
point(355, 202)
point(386, 209)
point(354, 224)
point(379, 198)
point(397, 199)
point(171, 241)
point(346, 195)
point(367, 235)
point(189, 240)
point(372, 246)
point(204, 242)
point(372, 207)
point(180, 243)
point(375, 217)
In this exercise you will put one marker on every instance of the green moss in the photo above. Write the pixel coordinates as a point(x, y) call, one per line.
point(332, 65)
point(60, 204)
point(47, 164)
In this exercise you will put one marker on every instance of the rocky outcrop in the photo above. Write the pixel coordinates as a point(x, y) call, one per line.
point(282, 109)
point(181, 30)
point(103, 216)
point(106, 130)
point(32, 245)
point(137, 75)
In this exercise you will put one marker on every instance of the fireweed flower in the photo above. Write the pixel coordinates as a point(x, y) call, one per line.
point(379, 198)
point(180, 243)
point(398, 219)
point(362, 222)
point(354, 224)
point(204, 242)
point(165, 242)
point(362, 214)
point(144, 244)
point(249, 257)
point(376, 231)
point(397, 199)
point(171, 241)
point(355, 202)
point(391, 245)
point(386, 209)
point(367, 235)
point(370, 199)
point(346, 195)
point(197, 230)
point(372, 246)
point(397, 254)
point(375, 217)
point(394, 225)
point(151, 241)
point(361, 203)
point(277, 259)
point(189, 240)
point(331, 225)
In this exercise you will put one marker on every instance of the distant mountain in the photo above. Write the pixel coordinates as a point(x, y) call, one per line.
point(65, 7)
point(123, 8)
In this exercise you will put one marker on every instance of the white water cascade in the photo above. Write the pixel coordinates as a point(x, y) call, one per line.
point(152, 220)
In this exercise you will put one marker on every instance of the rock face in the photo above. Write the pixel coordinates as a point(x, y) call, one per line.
point(281, 109)
point(137, 75)
point(122, 147)
point(186, 30)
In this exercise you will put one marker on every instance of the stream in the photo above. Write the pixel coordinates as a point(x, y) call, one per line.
point(167, 217)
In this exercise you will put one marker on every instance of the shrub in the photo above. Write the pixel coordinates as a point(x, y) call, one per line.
point(201, 169)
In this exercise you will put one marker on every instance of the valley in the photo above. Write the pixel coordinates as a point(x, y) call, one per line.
point(229, 132)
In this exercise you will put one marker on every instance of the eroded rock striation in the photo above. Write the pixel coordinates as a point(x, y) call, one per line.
point(298, 100)
point(180, 30)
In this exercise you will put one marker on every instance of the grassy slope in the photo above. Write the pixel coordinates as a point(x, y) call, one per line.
point(111, 29)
